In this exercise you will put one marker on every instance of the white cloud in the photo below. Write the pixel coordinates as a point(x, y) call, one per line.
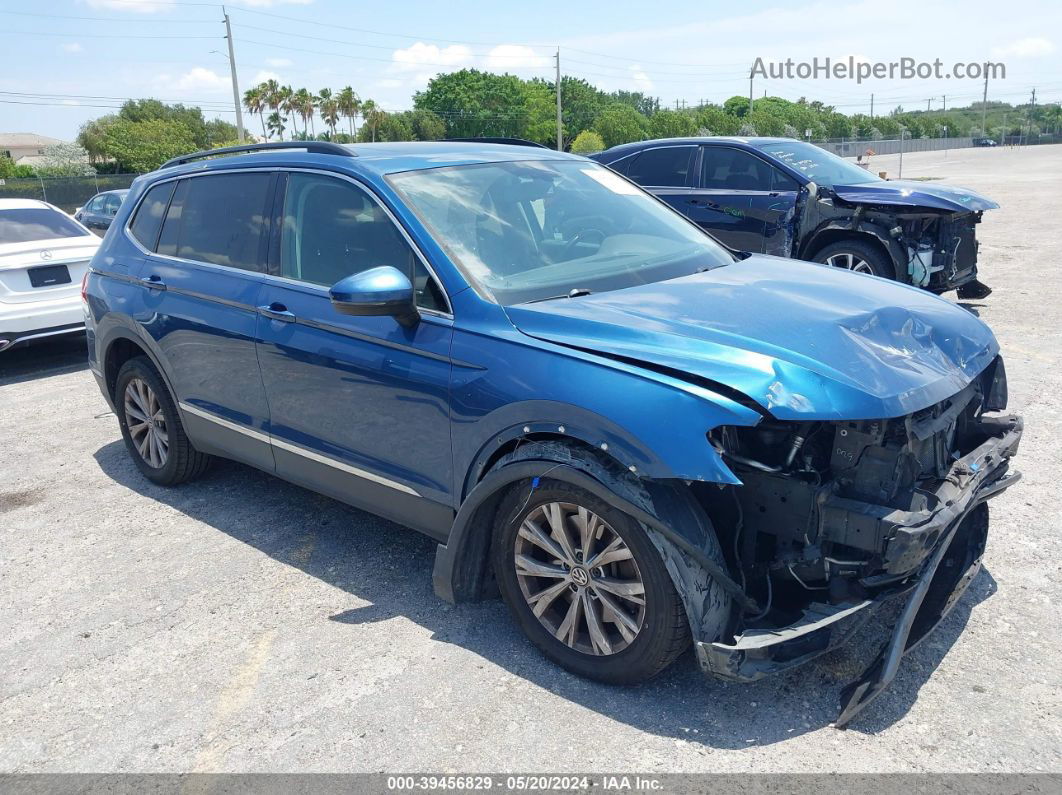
point(263, 75)
point(279, 62)
point(641, 79)
point(72, 47)
point(200, 78)
point(509, 57)
point(417, 56)
point(1025, 48)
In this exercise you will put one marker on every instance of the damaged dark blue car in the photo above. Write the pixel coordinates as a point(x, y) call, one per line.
point(793, 199)
point(641, 439)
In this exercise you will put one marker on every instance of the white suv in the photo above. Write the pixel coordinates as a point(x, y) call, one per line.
point(44, 254)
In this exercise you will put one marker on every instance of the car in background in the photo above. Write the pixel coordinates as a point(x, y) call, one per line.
point(794, 199)
point(44, 255)
point(100, 210)
point(985, 142)
point(642, 439)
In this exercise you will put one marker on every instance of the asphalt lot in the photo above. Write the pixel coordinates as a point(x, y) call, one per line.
point(239, 623)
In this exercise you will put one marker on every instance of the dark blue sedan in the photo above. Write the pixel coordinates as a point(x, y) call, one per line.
point(643, 440)
point(794, 199)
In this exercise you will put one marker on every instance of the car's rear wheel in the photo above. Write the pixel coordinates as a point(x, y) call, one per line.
point(586, 584)
point(858, 257)
point(151, 426)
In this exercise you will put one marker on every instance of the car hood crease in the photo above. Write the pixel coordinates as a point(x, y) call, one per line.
point(802, 340)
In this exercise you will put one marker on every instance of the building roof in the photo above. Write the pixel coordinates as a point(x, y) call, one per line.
point(20, 139)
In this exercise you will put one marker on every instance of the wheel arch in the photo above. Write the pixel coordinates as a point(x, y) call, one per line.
point(677, 525)
point(122, 344)
point(864, 232)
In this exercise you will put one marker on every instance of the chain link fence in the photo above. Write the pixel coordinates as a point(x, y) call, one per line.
point(66, 193)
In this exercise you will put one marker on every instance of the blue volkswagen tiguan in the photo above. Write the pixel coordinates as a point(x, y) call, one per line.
point(641, 439)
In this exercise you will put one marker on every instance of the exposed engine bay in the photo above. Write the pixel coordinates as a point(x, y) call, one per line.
point(832, 518)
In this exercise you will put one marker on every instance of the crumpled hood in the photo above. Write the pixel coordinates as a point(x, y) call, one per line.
point(915, 194)
point(802, 340)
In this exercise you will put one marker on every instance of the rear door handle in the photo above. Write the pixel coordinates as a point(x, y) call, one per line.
point(277, 311)
point(154, 282)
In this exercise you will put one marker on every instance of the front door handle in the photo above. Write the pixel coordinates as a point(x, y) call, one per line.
point(154, 281)
point(277, 311)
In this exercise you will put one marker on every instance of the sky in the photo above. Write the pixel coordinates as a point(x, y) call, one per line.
point(63, 62)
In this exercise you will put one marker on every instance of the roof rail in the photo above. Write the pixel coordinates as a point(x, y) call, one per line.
point(510, 141)
point(313, 147)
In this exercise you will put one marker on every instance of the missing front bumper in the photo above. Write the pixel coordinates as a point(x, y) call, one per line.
point(959, 527)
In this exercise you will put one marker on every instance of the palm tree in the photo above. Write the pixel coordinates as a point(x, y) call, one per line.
point(271, 95)
point(276, 124)
point(329, 107)
point(287, 105)
point(372, 114)
point(254, 101)
point(349, 105)
point(305, 105)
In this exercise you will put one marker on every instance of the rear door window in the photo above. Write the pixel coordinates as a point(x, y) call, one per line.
point(148, 219)
point(665, 166)
point(222, 219)
point(728, 169)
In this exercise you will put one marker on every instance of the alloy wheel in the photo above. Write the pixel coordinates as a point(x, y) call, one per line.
point(579, 578)
point(146, 423)
point(849, 261)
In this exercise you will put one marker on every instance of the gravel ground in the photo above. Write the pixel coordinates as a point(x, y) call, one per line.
point(243, 624)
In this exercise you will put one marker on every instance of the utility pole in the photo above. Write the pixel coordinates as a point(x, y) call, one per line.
point(235, 84)
point(984, 107)
point(944, 102)
point(560, 127)
point(872, 107)
point(750, 92)
point(929, 103)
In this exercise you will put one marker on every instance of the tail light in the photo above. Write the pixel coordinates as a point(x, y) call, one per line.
point(84, 286)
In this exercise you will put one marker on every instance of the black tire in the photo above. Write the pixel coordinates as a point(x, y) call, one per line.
point(877, 263)
point(182, 461)
point(664, 631)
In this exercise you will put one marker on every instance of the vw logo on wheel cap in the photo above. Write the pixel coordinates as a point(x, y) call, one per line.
point(580, 576)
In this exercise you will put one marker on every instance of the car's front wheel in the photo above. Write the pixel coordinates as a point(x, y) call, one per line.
point(586, 584)
point(151, 426)
point(857, 256)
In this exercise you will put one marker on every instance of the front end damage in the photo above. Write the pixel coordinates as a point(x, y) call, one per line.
point(834, 519)
point(932, 248)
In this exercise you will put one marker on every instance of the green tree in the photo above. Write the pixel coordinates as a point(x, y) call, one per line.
point(145, 145)
point(716, 120)
point(64, 160)
point(9, 170)
point(587, 142)
point(254, 102)
point(540, 104)
point(671, 124)
point(475, 103)
point(737, 106)
point(619, 124)
point(349, 104)
point(328, 106)
point(426, 125)
point(205, 134)
point(581, 105)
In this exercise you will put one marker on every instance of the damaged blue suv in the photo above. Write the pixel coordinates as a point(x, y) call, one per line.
point(641, 439)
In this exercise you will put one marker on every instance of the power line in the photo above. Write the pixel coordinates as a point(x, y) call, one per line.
point(80, 35)
point(109, 19)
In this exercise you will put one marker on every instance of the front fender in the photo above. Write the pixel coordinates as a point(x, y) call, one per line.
point(665, 458)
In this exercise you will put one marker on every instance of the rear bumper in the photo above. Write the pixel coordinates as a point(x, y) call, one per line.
point(952, 532)
point(35, 319)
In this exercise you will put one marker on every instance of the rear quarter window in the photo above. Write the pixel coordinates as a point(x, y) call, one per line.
point(148, 219)
point(222, 219)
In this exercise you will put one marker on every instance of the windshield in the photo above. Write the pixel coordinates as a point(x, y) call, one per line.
point(533, 230)
point(818, 165)
point(36, 223)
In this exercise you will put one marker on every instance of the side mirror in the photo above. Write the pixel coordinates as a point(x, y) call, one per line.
point(378, 291)
point(813, 189)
